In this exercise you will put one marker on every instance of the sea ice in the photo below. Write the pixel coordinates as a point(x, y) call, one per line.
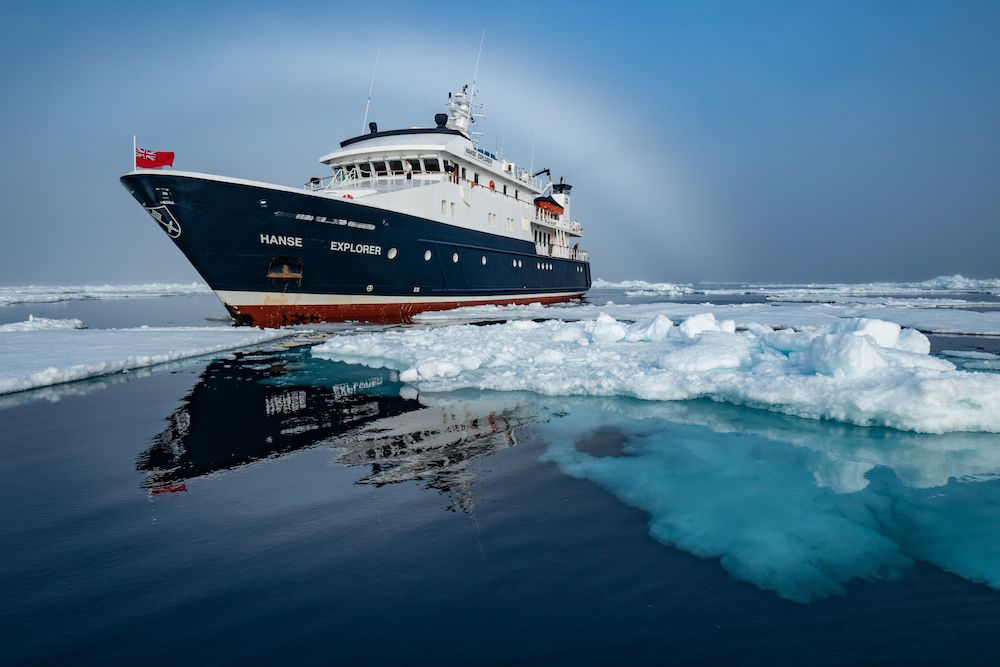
point(792, 507)
point(862, 371)
point(930, 320)
point(49, 355)
point(41, 324)
point(644, 288)
point(54, 293)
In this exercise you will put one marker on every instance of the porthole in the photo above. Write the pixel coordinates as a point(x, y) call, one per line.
point(514, 262)
point(369, 288)
point(427, 256)
point(484, 260)
point(538, 265)
point(520, 264)
point(454, 258)
point(392, 253)
point(262, 203)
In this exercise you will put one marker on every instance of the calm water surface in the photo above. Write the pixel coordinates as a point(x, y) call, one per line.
point(267, 507)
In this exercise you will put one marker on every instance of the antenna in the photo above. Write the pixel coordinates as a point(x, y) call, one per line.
point(531, 165)
point(475, 74)
point(371, 89)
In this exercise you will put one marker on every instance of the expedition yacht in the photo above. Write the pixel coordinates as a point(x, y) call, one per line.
point(406, 221)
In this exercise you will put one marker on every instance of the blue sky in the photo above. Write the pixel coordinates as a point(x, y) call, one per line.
point(747, 141)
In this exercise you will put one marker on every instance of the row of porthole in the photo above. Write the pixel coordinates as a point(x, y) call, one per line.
point(428, 255)
point(516, 263)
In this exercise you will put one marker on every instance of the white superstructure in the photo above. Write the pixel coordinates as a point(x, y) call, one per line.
point(441, 174)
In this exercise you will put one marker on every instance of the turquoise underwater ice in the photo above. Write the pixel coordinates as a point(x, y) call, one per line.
point(793, 506)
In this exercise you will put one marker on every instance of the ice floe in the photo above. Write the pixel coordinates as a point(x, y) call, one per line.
point(46, 356)
point(41, 324)
point(12, 295)
point(930, 320)
point(645, 288)
point(861, 371)
point(808, 292)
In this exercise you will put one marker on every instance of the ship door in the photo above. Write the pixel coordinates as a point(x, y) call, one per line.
point(453, 261)
point(285, 268)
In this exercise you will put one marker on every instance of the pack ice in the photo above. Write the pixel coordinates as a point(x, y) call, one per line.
point(861, 371)
point(41, 352)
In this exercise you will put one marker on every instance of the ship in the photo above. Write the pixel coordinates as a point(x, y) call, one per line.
point(404, 221)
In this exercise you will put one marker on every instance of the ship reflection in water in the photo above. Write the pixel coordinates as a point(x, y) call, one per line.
point(266, 405)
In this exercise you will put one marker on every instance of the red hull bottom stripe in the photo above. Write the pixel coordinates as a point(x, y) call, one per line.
point(382, 313)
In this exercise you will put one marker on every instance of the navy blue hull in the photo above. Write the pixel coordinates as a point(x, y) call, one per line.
point(290, 248)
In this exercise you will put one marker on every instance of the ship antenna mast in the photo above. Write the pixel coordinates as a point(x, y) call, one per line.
point(475, 75)
point(371, 89)
point(531, 164)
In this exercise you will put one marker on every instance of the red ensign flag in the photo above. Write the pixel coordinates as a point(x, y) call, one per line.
point(147, 159)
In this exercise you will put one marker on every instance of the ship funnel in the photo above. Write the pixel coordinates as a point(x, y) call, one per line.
point(560, 192)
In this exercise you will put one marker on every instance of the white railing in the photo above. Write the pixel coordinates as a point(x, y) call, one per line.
point(565, 252)
point(552, 220)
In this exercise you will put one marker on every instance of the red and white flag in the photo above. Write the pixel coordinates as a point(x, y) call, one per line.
point(147, 159)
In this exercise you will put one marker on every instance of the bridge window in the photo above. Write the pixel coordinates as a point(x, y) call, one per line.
point(432, 165)
point(380, 168)
point(364, 170)
point(396, 166)
point(415, 164)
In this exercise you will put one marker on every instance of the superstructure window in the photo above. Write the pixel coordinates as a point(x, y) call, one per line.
point(431, 165)
point(364, 169)
point(396, 166)
point(415, 165)
point(380, 168)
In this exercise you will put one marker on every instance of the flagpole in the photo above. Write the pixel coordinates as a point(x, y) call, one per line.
point(133, 152)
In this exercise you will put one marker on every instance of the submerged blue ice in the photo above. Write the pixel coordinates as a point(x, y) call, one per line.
point(793, 506)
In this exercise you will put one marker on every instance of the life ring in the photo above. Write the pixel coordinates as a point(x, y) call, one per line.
point(348, 196)
point(473, 184)
point(493, 186)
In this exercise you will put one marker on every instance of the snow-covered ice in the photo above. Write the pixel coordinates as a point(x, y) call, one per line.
point(645, 288)
point(41, 324)
point(41, 357)
point(862, 371)
point(941, 284)
point(930, 320)
point(12, 295)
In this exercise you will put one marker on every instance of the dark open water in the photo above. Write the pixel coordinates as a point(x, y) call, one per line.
point(267, 508)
